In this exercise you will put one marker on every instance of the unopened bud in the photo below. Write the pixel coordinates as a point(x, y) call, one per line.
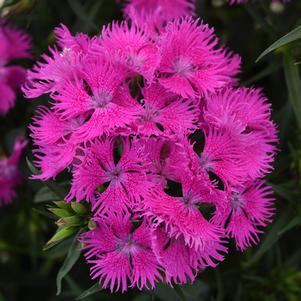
point(92, 225)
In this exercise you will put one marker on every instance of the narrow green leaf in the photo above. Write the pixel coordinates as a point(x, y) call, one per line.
point(90, 291)
point(262, 74)
point(81, 13)
point(293, 223)
point(71, 258)
point(292, 36)
point(166, 293)
point(31, 167)
point(271, 238)
point(45, 195)
point(293, 82)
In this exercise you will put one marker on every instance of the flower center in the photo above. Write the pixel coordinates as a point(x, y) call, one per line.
point(126, 246)
point(205, 162)
point(182, 66)
point(190, 200)
point(150, 113)
point(237, 201)
point(101, 99)
point(115, 174)
point(134, 62)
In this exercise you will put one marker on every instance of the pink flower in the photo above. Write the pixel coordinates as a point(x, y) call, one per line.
point(15, 44)
point(153, 15)
point(99, 93)
point(167, 160)
point(181, 215)
point(130, 47)
point(46, 76)
point(246, 211)
point(155, 137)
point(122, 183)
point(120, 255)
point(191, 64)
point(180, 262)
point(246, 114)
point(171, 8)
point(54, 140)
point(10, 176)
point(159, 108)
point(62, 63)
point(223, 156)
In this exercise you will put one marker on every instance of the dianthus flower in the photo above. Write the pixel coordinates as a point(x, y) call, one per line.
point(152, 15)
point(170, 155)
point(14, 44)
point(10, 175)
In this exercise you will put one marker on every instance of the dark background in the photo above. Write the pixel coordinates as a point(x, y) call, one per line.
point(270, 271)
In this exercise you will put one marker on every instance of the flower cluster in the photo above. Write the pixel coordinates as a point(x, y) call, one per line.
point(168, 152)
point(14, 44)
point(9, 173)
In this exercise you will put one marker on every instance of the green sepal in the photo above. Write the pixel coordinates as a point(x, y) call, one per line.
point(78, 208)
point(61, 234)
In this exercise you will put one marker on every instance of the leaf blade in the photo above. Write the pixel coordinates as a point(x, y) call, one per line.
point(292, 36)
point(71, 258)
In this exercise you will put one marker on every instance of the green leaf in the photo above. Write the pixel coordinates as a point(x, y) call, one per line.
point(71, 258)
point(292, 224)
point(45, 195)
point(292, 36)
point(165, 293)
point(293, 82)
point(53, 186)
point(90, 291)
point(271, 238)
point(31, 167)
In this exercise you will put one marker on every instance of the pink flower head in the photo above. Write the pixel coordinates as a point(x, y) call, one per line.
point(10, 176)
point(245, 212)
point(80, 43)
point(167, 158)
point(54, 140)
point(171, 8)
point(246, 114)
point(191, 64)
point(147, 122)
point(181, 215)
point(120, 255)
point(62, 63)
point(160, 107)
point(180, 262)
point(130, 47)
point(153, 15)
point(97, 92)
point(222, 156)
point(122, 183)
point(15, 44)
